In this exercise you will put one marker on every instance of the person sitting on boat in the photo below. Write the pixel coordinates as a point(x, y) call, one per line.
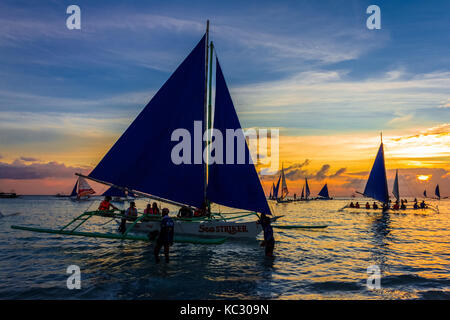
point(416, 206)
point(357, 205)
point(185, 212)
point(202, 211)
point(152, 209)
point(352, 205)
point(375, 206)
point(385, 206)
point(403, 205)
point(106, 204)
point(396, 206)
point(165, 237)
point(269, 240)
point(367, 205)
point(423, 205)
point(131, 212)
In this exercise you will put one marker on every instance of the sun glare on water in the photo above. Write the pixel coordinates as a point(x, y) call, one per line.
point(423, 178)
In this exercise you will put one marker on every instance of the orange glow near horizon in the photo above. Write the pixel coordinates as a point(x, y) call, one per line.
point(423, 177)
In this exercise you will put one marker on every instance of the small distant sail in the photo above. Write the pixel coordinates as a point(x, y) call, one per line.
point(84, 188)
point(303, 193)
point(376, 186)
point(307, 188)
point(74, 191)
point(324, 192)
point(425, 193)
point(284, 188)
point(275, 192)
point(395, 190)
point(437, 192)
point(270, 193)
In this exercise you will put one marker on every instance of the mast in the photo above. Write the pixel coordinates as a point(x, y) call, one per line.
point(205, 122)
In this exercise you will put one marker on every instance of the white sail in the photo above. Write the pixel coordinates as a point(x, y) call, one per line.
point(395, 190)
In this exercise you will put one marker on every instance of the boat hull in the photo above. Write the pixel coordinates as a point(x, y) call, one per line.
point(208, 228)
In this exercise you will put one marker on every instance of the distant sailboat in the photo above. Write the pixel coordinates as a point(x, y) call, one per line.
point(82, 190)
point(307, 192)
point(395, 189)
point(323, 194)
point(303, 193)
point(376, 186)
point(437, 192)
point(425, 193)
point(284, 188)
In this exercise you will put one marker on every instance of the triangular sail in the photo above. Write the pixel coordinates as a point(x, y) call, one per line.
point(142, 157)
point(324, 192)
point(376, 186)
point(437, 192)
point(425, 193)
point(84, 188)
point(270, 193)
point(275, 193)
point(284, 188)
point(303, 193)
point(307, 189)
point(74, 191)
point(234, 185)
point(395, 190)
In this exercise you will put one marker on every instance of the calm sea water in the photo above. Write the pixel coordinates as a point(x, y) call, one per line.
point(411, 250)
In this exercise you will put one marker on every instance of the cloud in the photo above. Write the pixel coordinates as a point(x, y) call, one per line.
point(19, 170)
point(29, 159)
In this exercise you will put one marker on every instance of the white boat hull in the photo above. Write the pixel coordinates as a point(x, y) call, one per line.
point(208, 228)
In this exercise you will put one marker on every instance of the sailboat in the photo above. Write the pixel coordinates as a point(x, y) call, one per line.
point(284, 188)
point(184, 101)
point(323, 194)
point(82, 190)
point(305, 192)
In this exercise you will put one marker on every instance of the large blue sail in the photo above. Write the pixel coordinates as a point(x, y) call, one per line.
point(376, 186)
point(324, 191)
point(74, 191)
point(234, 185)
point(141, 158)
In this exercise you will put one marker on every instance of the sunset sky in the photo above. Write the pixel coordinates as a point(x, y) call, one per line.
point(310, 68)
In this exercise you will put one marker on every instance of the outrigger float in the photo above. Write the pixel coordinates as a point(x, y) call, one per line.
point(142, 162)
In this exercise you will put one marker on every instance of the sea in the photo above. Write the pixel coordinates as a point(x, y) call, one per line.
point(362, 254)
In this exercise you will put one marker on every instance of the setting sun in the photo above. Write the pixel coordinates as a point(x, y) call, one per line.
point(423, 178)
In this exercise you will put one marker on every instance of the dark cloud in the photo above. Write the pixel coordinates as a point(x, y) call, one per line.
point(29, 159)
point(19, 170)
point(298, 171)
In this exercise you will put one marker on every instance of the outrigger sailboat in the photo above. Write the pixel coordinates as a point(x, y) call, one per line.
point(118, 195)
point(82, 190)
point(182, 106)
point(377, 186)
point(284, 189)
point(323, 194)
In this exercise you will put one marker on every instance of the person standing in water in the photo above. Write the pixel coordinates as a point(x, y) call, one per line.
point(269, 240)
point(165, 237)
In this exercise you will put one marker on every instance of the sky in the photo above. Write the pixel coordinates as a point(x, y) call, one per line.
point(310, 68)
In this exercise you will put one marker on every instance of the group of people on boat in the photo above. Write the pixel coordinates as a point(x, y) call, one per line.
point(385, 206)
